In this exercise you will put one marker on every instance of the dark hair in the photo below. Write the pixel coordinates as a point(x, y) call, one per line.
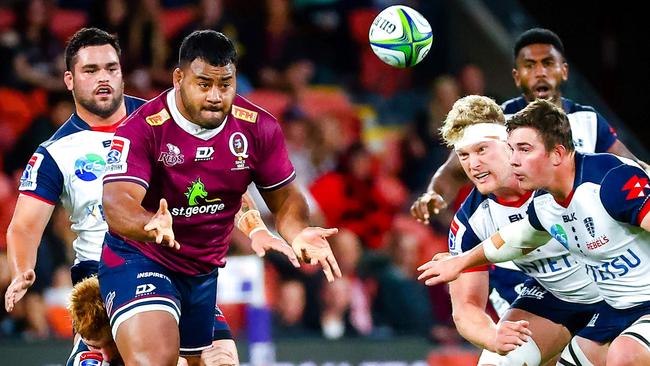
point(548, 119)
point(210, 46)
point(538, 35)
point(87, 37)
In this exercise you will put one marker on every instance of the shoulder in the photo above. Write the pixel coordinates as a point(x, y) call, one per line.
point(571, 107)
point(152, 113)
point(133, 103)
point(474, 201)
point(594, 167)
point(73, 125)
point(247, 112)
point(514, 105)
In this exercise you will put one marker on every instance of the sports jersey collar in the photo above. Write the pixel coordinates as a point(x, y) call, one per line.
point(517, 203)
point(186, 125)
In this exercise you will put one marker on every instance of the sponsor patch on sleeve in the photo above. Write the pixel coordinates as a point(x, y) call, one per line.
point(30, 174)
point(158, 118)
point(89, 358)
point(116, 158)
point(244, 114)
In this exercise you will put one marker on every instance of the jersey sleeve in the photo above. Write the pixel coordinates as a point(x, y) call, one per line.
point(42, 178)
point(274, 169)
point(130, 158)
point(624, 193)
point(463, 238)
point(606, 135)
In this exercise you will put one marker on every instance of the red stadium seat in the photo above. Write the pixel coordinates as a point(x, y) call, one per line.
point(274, 102)
point(7, 19)
point(173, 20)
point(65, 22)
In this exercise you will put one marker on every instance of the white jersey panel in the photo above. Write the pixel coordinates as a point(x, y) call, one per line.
point(81, 159)
point(551, 264)
point(616, 255)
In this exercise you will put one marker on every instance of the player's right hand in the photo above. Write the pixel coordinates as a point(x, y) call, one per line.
point(511, 335)
point(18, 288)
point(160, 226)
point(442, 268)
point(428, 203)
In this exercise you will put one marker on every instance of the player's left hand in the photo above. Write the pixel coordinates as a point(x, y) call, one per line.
point(263, 240)
point(312, 247)
point(442, 268)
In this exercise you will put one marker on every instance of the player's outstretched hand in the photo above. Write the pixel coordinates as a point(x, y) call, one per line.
point(442, 268)
point(511, 335)
point(428, 203)
point(263, 240)
point(161, 226)
point(18, 288)
point(312, 247)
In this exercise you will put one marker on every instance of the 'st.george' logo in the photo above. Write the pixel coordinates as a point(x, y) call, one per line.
point(637, 187)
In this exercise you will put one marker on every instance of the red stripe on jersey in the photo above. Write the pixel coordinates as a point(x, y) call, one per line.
point(109, 128)
point(33, 195)
point(454, 226)
point(516, 203)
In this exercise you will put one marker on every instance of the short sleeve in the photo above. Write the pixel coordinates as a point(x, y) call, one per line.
point(532, 217)
point(606, 135)
point(624, 194)
point(273, 169)
point(130, 156)
point(42, 178)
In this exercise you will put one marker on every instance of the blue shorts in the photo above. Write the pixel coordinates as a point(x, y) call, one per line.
point(506, 282)
point(609, 323)
point(537, 300)
point(82, 270)
point(132, 283)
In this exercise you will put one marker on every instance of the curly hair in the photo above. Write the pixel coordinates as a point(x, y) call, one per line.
point(467, 111)
point(87, 310)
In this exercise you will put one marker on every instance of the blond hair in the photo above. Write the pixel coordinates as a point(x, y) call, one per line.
point(468, 111)
point(87, 310)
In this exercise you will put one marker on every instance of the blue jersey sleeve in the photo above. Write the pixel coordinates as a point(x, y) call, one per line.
point(461, 235)
point(606, 134)
point(42, 177)
point(624, 193)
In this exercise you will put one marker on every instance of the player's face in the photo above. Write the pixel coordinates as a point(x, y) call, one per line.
point(96, 80)
point(487, 164)
point(206, 91)
point(530, 161)
point(540, 71)
point(106, 347)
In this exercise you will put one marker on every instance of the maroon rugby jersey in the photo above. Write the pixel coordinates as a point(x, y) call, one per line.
point(202, 177)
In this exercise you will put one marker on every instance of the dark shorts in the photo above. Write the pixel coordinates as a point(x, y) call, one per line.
point(131, 283)
point(609, 323)
point(82, 270)
point(535, 299)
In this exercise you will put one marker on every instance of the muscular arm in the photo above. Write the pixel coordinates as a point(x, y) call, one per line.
point(122, 202)
point(618, 148)
point(24, 234)
point(469, 296)
point(645, 224)
point(448, 179)
point(289, 209)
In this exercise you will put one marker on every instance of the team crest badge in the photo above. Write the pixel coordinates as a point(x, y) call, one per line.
point(239, 148)
point(172, 157)
point(591, 228)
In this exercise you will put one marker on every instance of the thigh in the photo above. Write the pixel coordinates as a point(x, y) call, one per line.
point(632, 347)
point(149, 338)
point(550, 337)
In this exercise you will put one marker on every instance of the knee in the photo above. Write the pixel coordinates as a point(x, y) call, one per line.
point(622, 352)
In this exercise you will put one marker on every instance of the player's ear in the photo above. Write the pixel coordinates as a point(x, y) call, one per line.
point(177, 77)
point(68, 80)
point(558, 154)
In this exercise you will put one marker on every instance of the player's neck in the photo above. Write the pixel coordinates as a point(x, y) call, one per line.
point(510, 193)
point(561, 186)
point(94, 120)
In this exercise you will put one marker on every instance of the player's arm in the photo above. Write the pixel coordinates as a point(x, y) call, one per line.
point(249, 220)
point(618, 148)
point(28, 223)
point(443, 188)
point(510, 242)
point(122, 203)
point(291, 213)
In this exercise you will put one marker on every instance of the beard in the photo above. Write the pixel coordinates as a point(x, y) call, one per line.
point(102, 110)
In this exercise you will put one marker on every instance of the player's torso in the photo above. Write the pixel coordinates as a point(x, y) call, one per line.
point(551, 264)
point(611, 251)
point(81, 158)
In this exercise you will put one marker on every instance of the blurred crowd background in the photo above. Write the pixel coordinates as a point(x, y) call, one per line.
point(362, 135)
